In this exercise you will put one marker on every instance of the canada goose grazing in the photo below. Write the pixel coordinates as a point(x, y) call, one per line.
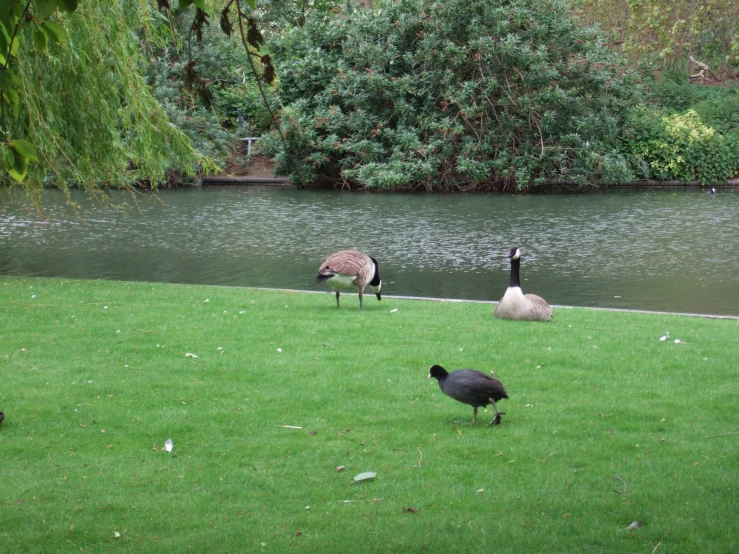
point(350, 270)
point(517, 305)
point(472, 387)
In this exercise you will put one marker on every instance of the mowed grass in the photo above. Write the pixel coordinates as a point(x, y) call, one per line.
point(605, 425)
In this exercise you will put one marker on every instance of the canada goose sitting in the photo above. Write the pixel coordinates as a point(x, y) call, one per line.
point(517, 305)
point(350, 270)
point(471, 387)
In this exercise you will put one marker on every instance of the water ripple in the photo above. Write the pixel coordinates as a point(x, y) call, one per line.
point(663, 250)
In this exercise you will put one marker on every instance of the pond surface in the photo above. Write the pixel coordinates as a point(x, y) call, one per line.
point(665, 250)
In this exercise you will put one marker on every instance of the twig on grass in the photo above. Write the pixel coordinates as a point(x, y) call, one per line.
point(290, 426)
point(421, 458)
point(656, 547)
point(161, 469)
point(352, 501)
point(622, 481)
point(721, 435)
point(545, 459)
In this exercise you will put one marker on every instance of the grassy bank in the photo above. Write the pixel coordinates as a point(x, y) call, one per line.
point(606, 425)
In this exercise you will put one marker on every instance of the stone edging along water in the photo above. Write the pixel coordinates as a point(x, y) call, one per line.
point(491, 302)
point(283, 181)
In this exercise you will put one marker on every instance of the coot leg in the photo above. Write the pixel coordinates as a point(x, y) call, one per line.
point(496, 419)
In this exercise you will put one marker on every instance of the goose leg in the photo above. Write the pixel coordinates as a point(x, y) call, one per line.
point(474, 415)
point(360, 299)
point(337, 299)
point(496, 419)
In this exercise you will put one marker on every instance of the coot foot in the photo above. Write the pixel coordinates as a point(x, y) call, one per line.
point(496, 419)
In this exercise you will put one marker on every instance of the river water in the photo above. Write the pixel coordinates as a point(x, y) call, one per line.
point(665, 250)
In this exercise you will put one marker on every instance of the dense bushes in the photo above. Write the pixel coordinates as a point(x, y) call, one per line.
point(202, 85)
point(449, 95)
point(686, 132)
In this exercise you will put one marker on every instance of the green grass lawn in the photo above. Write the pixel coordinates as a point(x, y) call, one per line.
point(266, 393)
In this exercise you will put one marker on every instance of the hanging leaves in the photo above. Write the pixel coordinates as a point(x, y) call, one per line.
point(14, 17)
point(68, 6)
point(268, 71)
point(44, 8)
point(201, 18)
point(54, 31)
point(17, 153)
point(226, 26)
point(253, 35)
point(40, 40)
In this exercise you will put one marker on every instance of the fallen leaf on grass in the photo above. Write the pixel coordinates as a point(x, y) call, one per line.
point(188, 355)
point(634, 525)
point(410, 510)
point(168, 446)
point(366, 476)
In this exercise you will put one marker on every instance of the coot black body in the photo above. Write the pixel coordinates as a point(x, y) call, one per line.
point(472, 387)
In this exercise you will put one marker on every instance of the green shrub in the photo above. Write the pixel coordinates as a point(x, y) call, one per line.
point(202, 85)
point(721, 111)
point(450, 94)
point(681, 146)
point(718, 106)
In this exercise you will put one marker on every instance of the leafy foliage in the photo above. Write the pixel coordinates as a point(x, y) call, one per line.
point(203, 87)
point(661, 34)
point(15, 19)
point(451, 95)
point(682, 147)
point(685, 132)
point(98, 124)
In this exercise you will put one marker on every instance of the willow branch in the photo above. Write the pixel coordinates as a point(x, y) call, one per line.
point(7, 63)
point(272, 114)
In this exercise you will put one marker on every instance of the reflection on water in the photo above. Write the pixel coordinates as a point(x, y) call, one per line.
point(655, 250)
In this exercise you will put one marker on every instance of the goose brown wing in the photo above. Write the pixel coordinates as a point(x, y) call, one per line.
point(539, 306)
point(346, 262)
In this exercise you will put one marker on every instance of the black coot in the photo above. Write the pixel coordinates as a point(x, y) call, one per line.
point(471, 387)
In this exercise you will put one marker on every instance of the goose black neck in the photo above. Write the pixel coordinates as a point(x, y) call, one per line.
point(376, 279)
point(515, 266)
